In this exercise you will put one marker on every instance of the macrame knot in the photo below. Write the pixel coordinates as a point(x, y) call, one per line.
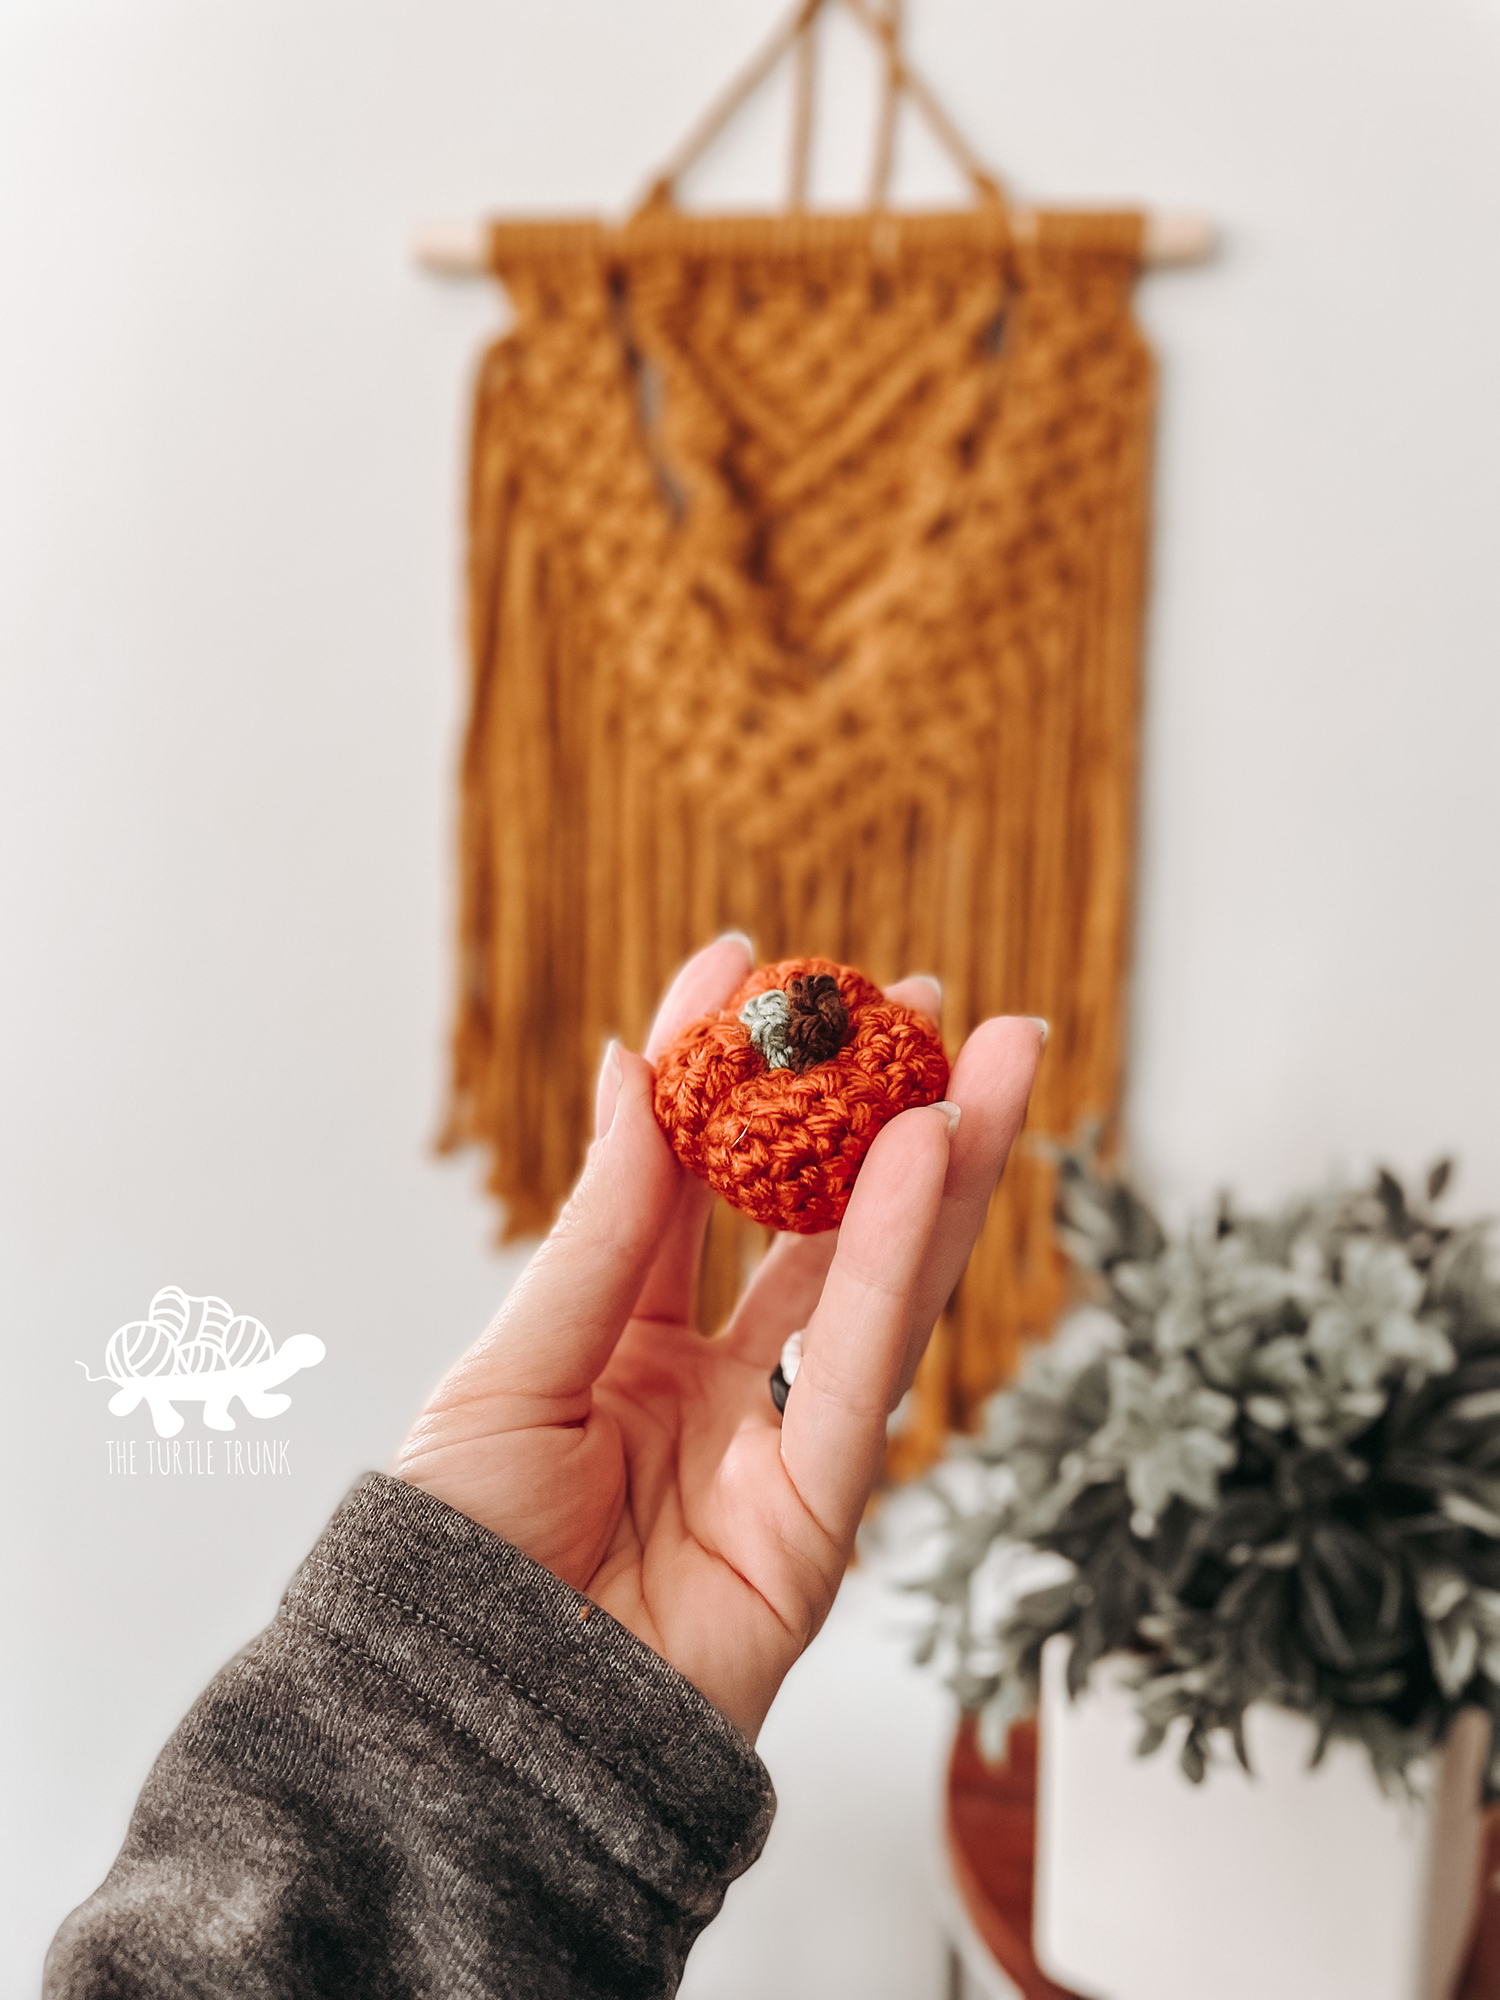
point(803, 1024)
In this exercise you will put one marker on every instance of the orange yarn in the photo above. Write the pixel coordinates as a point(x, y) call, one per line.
point(783, 1145)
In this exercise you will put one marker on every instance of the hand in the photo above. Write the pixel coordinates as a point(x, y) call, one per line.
point(593, 1428)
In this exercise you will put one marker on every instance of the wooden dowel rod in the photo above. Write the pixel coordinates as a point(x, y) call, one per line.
point(1177, 236)
point(461, 249)
point(452, 249)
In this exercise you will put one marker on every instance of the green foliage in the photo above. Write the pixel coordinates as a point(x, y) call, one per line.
point(1275, 1476)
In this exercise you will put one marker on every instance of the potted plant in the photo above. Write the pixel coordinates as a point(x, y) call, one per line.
point(1262, 1476)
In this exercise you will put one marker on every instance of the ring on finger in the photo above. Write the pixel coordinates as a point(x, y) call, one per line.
point(784, 1374)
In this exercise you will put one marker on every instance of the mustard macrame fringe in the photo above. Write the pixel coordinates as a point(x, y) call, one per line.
point(806, 586)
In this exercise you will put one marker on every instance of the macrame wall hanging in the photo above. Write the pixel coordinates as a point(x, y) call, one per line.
point(806, 585)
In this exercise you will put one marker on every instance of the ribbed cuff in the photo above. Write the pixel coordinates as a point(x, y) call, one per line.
point(543, 1681)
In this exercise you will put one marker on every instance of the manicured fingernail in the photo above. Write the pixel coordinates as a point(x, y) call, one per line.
point(607, 1096)
point(1037, 1022)
point(951, 1111)
point(931, 979)
point(738, 937)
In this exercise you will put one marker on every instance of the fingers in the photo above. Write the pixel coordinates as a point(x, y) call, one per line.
point(920, 1202)
point(704, 984)
point(991, 1083)
point(565, 1313)
point(921, 992)
point(781, 1296)
point(833, 1432)
point(607, 1090)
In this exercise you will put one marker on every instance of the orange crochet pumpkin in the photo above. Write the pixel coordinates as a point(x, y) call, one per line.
point(776, 1099)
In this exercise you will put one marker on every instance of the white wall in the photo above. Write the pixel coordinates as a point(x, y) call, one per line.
point(231, 444)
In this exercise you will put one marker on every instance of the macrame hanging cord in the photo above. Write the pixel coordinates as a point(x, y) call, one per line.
point(806, 578)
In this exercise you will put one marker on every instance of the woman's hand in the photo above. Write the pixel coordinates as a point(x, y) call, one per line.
point(596, 1430)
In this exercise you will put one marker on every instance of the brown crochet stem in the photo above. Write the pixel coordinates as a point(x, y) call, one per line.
point(817, 1020)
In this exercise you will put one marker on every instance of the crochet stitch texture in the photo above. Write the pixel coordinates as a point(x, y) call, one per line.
point(784, 1144)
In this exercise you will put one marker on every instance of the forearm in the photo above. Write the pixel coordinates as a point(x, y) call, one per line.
point(439, 1771)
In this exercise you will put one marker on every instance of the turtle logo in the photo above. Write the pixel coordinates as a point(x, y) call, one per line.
point(189, 1350)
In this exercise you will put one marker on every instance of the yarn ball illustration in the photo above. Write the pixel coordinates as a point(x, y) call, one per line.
point(776, 1099)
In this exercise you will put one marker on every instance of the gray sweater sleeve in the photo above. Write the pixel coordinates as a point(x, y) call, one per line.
point(439, 1772)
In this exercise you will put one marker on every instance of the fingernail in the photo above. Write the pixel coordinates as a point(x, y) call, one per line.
point(951, 1111)
point(1037, 1022)
point(738, 937)
point(931, 979)
point(607, 1095)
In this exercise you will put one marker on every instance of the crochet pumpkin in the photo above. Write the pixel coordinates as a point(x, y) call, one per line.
point(776, 1099)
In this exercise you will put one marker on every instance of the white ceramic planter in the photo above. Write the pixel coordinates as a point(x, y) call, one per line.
point(1291, 1885)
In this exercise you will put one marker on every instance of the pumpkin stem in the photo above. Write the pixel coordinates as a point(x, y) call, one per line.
point(817, 1019)
point(804, 1025)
